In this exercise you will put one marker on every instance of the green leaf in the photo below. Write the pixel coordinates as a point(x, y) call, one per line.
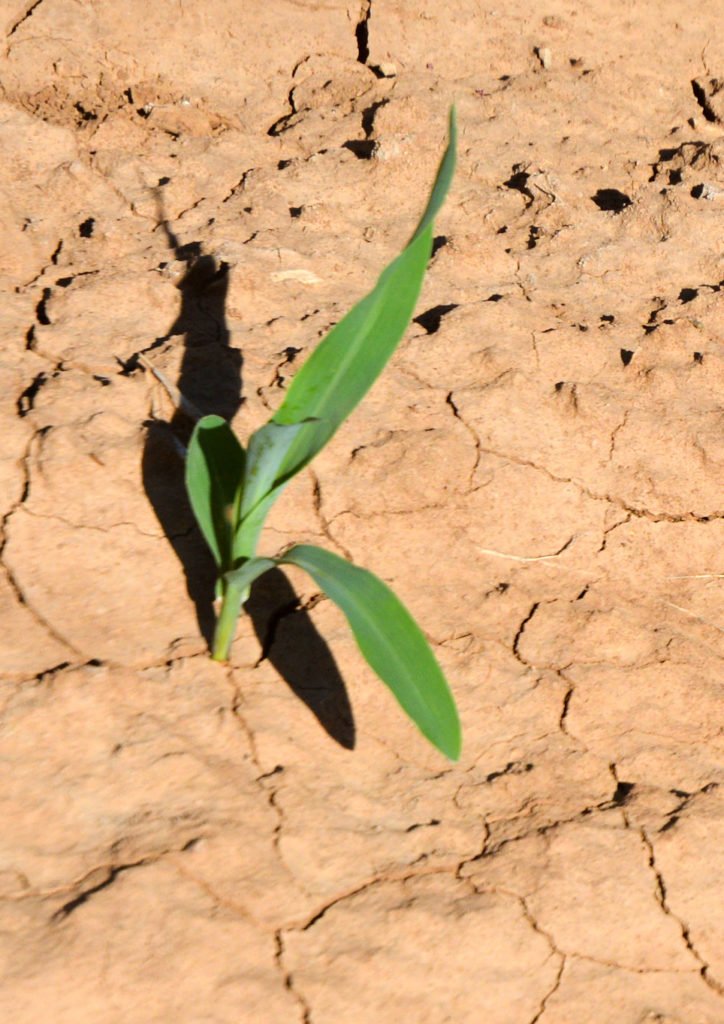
point(347, 362)
point(266, 451)
point(243, 577)
point(390, 640)
point(214, 471)
point(248, 530)
point(444, 178)
point(235, 588)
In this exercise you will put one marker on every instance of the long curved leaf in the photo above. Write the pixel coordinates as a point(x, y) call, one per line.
point(390, 640)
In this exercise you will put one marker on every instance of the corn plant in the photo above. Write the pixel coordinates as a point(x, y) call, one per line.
point(231, 490)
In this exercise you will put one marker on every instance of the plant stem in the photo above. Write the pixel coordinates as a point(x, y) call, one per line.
point(247, 535)
point(226, 623)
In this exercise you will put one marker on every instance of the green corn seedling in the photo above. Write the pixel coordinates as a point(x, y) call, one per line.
point(232, 490)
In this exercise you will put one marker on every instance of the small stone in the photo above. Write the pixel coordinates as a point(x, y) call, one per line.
point(544, 55)
point(300, 275)
point(709, 191)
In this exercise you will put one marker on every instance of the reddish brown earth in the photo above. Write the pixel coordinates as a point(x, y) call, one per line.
point(538, 474)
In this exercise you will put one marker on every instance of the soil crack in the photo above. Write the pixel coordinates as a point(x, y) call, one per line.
point(616, 801)
point(564, 710)
point(640, 512)
point(271, 791)
point(102, 529)
point(14, 583)
point(29, 11)
point(288, 977)
point(555, 951)
point(662, 899)
point(82, 897)
point(686, 800)
point(450, 400)
point(362, 32)
point(324, 523)
point(521, 629)
point(551, 991)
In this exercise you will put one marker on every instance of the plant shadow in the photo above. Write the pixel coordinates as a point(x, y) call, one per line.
point(211, 379)
point(290, 641)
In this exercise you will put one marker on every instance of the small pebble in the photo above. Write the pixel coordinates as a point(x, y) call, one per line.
point(544, 56)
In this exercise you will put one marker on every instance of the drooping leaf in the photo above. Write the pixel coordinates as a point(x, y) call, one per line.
point(214, 472)
point(347, 362)
point(390, 640)
point(243, 577)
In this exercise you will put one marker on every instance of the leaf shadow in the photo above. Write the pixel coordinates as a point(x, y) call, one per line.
point(293, 645)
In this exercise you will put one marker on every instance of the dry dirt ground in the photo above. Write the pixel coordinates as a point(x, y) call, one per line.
point(538, 474)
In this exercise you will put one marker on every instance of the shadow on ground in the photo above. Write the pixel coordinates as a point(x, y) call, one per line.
point(300, 655)
point(210, 379)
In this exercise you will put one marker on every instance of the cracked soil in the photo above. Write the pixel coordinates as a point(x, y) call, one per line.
point(204, 189)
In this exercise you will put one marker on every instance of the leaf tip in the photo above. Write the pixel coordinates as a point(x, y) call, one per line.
point(452, 746)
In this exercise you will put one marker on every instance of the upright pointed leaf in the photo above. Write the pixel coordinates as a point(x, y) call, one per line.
point(214, 471)
point(265, 453)
point(346, 363)
point(248, 530)
point(444, 178)
point(267, 449)
point(390, 640)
